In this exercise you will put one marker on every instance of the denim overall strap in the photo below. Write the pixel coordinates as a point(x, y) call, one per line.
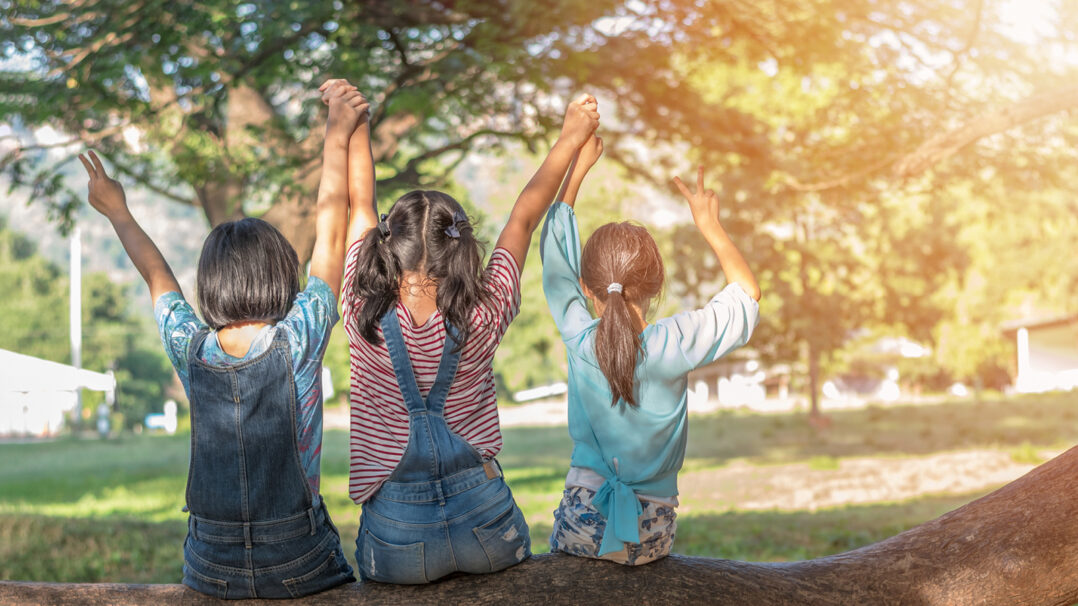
point(245, 463)
point(433, 450)
point(402, 366)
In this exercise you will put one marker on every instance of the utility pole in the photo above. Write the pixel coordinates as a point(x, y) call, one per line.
point(76, 314)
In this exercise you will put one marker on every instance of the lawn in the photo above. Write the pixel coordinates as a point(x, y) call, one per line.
point(92, 510)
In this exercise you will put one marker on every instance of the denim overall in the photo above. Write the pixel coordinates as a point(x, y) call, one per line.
point(443, 509)
point(254, 530)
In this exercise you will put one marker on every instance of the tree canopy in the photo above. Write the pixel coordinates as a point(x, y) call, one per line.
point(864, 147)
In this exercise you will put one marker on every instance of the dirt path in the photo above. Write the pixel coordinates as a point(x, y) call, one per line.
point(855, 481)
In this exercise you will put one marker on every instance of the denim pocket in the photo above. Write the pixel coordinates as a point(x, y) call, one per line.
point(327, 574)
point(389, 563)
point(201, 583)
point(505, 538)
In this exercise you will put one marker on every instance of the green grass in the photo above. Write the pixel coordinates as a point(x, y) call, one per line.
point(92, 510)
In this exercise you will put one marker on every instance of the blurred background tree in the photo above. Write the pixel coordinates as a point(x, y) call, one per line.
point(33, 322)
point(872, 155)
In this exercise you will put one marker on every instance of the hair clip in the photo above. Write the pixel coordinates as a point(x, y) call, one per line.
point(383, 227)
point(614, 287)
point(458, 217)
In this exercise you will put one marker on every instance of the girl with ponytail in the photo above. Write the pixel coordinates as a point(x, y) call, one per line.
point(424, 318)
point(628, 382)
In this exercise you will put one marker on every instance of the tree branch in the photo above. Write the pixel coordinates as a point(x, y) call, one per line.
point(946, 144)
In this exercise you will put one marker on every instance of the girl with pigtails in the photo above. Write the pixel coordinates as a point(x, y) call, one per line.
point(424, 318)
point(628, 378)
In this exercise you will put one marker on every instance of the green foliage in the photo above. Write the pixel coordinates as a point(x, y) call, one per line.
point(800, 109)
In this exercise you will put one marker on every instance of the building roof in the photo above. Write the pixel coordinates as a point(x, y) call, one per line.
point(21, 373)
point(1032, 323)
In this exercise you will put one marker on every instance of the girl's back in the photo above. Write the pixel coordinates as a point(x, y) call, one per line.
point(379, 415)
point(628, 380)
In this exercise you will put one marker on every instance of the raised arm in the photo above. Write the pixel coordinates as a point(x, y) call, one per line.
point(705, 213)
point(346, 108)
point(583, 161)
point(581, 120)
point(362, 207)
point(107, 197)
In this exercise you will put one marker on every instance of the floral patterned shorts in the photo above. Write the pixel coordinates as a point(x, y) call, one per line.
point(578, 529)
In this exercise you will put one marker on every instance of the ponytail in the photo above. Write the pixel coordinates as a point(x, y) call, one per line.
point(620, 264)
point(617, 347)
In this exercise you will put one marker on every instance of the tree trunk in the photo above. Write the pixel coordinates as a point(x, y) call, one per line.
point(1016, 546)
point(814, 380)
point(294, 216)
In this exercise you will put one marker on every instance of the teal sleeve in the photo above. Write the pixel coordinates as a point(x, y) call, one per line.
point(724, 324)
point(559, 247)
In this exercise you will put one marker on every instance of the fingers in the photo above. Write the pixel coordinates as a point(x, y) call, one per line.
point(700, 179)
point(98, 166)
point(585, 98)
point(89, 167)
point(332, 93)
point(332, 82)
point(332, 89)
point(681, 187)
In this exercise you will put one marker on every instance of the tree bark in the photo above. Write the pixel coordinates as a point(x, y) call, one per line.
point(1016, 546)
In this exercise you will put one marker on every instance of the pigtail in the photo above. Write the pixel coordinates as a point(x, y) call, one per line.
point(456, 262)
point(425, 232)
point(617, 347)
point(376, 281)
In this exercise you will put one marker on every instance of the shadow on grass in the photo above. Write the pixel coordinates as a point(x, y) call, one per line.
point(776, 536)
point(1045, 421)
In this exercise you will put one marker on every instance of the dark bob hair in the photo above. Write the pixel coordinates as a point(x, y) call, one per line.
point(247, 271)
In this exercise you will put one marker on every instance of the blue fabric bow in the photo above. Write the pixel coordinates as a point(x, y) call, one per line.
point(458, 217)
point(383, 227)
point(621, 508)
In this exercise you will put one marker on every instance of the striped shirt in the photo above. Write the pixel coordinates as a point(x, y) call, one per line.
point(379, 425)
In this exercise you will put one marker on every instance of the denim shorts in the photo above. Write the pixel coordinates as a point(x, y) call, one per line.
point(287, 558)
point(410, 535)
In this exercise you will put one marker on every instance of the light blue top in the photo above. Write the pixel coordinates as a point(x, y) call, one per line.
point(307, 326)
point(636, 449)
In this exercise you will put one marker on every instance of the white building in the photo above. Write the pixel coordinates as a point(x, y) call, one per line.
point(1047, 353)
point(35, 394)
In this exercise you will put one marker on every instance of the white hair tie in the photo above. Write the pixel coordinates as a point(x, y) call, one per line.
point(614, 287)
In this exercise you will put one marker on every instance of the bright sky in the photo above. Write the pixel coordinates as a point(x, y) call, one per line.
point(1029, 20)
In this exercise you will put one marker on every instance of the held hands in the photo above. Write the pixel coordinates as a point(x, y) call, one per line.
point(590, 152)
point(581, 120)
point(703, 203)
point(348, 108)
point(106, 194)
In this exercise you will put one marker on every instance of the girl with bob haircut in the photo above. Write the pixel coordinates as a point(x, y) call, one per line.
point(258, 527)
point(424, 318)
point(628, 378)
